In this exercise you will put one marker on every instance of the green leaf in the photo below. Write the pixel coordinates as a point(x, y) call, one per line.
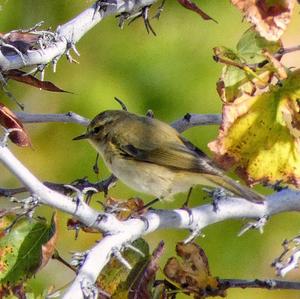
point(21, 248)
point(250, 46)
point(238, 77)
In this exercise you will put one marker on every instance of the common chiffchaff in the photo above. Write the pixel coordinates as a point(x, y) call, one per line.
point(152, 157)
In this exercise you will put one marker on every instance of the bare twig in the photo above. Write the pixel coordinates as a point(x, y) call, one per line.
point(188, 121)
point(194, 120)
point(69, 117)
point(118, 234)
point(269, 284)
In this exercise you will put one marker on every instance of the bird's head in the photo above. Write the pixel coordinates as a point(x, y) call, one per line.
point(101, 125)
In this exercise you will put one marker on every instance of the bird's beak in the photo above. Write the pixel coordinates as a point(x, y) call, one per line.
point(83, 136)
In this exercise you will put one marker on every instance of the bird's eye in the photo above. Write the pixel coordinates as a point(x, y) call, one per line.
point(96, 130)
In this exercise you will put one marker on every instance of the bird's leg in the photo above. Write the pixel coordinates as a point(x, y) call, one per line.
point(185, 205)
point(139, 212)
point(149, 204)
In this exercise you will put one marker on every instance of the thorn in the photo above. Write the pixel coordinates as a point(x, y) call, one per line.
point(73, 47)
point(259, 224)
point(33, 71)
point(70, 58)
point(54, 63)
point(121, 259)
point(195, 233)
point(90, 290)
point(135, 249)
point(78, 258)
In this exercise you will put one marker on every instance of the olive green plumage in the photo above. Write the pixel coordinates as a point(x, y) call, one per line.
point(152, 157)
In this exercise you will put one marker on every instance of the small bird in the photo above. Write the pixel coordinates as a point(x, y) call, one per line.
point(151, 157)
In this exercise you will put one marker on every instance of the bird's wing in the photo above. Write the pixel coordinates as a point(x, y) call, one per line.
point(172, 150)
point(169, 150)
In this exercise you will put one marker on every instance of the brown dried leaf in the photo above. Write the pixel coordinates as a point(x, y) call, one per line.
point(21, 76)
point(124, 209)
point(192, 273)
point(270, 18)
point(49, 247)
point(10, 121)
point(192, 6)
point(143, 283)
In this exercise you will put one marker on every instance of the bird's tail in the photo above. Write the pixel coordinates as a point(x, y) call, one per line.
point(234, 187)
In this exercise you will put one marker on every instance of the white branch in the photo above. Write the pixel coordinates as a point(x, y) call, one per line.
point(118, 233)
point(67, 35)
point(183, 124)
point(80, 210)
point(193, 120)
point(202, 216)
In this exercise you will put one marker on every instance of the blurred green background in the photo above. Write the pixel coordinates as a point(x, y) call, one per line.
point(172, 73)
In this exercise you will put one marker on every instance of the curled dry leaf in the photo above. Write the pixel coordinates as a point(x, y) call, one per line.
point(192, 272)
point(192, 6)
point(22, 77)
point(260, 135)
point(9, 120)
point(48, 248)
point(270, 18)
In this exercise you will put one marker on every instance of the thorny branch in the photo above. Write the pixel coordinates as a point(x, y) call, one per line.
point(49, 48)
point(119, 234)
point(43, 47)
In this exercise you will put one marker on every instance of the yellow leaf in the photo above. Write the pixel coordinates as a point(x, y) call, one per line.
point(260, 136)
